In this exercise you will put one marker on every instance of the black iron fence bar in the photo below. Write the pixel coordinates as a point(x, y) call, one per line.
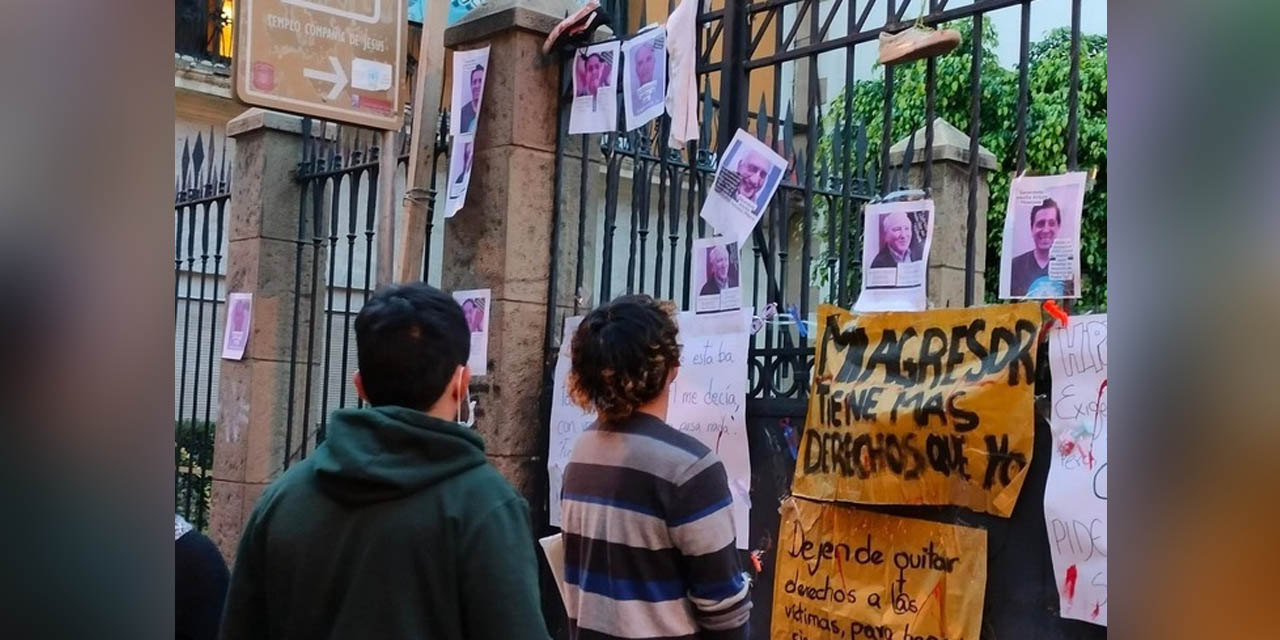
point(190, 213)
point(203, 199)
point(886, 128)
point(814, 118)
point(801, 12)
point(204, 270)
point(663, 127)
point(845, 136)
point(933, 19)
point(371, 212)
point(309, 162)
point(639, 185)
point(1024, 47)
point(328, 316)
point(585, 142)
point(975, 114)
point(317, 247)
point(557, 207)
point(764, 30)
point(353, 200)
point(733, 78)
point(646, 193)
point(930, 113)
point(1073, 91)
point(831, 17)
point(207, 437)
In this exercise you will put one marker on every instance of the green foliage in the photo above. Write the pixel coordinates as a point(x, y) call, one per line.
point(1048, 75)
point(193, 442)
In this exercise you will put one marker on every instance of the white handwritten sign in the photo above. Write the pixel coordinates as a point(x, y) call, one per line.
point(1075, 498)
point(708, 401)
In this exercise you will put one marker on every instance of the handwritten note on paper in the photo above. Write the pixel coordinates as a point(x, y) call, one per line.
point(931, 407)
point(1075, 496)
point(708, 398)
point(567, 421)
point(846, 573)
point(708, 401)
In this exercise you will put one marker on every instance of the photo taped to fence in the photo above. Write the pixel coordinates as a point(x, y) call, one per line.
point(595, 96)
point(745, 181)
point(897, 239)
point(716, 275)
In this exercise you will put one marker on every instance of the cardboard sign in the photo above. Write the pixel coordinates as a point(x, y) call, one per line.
point(926, 408)
point(845, 573)
point(1075, 496)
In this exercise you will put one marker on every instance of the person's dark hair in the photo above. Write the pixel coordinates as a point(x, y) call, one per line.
point(622, 354)
point(475, 69)
point(410, 339)
point(1047, 204)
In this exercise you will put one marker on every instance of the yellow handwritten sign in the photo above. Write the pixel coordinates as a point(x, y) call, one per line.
point(845, 573)
point(930, 407)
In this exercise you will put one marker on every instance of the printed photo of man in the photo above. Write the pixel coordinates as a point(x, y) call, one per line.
point(473, 311)
point(461, 178)
point(721, 273)
point(753, 172)
point(1029, 272)
point(472, 107)
point(644, 92)
point(586, 70)
point(896, 236)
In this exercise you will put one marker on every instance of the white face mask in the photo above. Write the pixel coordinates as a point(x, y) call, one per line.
point(470, 421)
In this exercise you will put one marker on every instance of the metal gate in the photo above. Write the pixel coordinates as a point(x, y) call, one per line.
point(626, 216)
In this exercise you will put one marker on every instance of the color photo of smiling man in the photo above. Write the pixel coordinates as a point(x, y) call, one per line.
point(1041, 254)
point(897, 238)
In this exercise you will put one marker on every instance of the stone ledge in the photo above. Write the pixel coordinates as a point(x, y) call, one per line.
point(949, 143)
point(258, 118)
point(538, 16)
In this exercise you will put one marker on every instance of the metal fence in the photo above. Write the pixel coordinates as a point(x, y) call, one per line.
point(201, 196)
point(767, 66)
point(758, 69)
point(335, 264)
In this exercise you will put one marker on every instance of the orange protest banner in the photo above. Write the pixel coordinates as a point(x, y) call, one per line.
point(921, 408)
point(846, 573)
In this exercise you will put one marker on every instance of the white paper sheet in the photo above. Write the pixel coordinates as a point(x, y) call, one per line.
point(708, 401)
point(1040, 255)
point(745, 181)
point(644, 79)
point(595, 89)
point(239, 321)
point(475, 308)
point(1075, 497)
point(460, 160)
point(897, 238)
point(470, 69)
point(717, 275)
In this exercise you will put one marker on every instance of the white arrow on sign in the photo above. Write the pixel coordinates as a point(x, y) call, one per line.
point(338, 77)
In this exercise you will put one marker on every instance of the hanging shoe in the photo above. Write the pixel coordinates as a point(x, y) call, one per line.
point(916, 43)
point(576, 29)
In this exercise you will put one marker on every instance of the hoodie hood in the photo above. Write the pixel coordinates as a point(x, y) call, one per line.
point(376, 454)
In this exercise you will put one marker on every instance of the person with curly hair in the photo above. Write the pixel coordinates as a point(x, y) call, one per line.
point(646, 511)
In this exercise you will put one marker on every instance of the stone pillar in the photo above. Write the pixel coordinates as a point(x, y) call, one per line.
point(950, 190)
point(249, 449)
point(501, 239)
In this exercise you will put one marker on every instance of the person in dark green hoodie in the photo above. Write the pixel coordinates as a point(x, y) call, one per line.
point(397, 526)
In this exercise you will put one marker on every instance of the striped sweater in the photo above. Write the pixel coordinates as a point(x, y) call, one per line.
point(649, 539)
